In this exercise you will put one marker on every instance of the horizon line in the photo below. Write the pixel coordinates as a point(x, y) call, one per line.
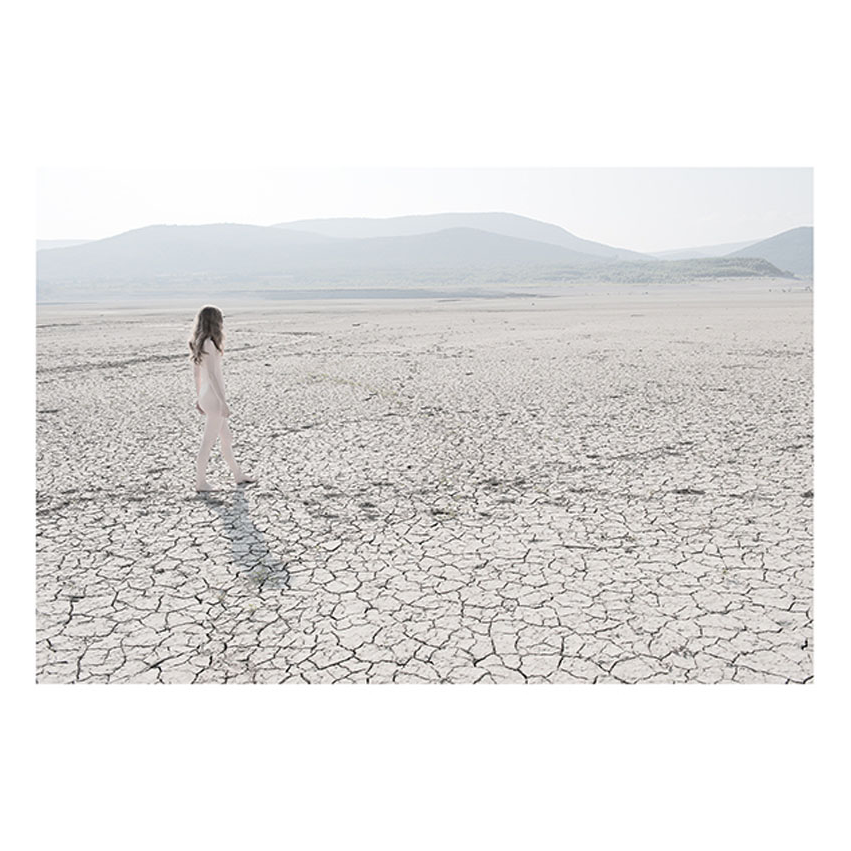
point(423, 215)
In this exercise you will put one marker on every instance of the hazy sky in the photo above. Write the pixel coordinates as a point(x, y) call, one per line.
point(645, 209)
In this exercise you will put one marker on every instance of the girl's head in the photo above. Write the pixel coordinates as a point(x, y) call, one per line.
point(208, 323)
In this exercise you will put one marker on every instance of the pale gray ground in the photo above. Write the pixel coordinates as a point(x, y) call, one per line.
point(610, 489)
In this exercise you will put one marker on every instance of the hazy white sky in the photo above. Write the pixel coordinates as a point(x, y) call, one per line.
point(645, 209)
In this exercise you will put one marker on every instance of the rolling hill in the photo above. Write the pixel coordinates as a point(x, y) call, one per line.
point(702, 251)
point(504, 224)
point(791, 251)
point(172, 250)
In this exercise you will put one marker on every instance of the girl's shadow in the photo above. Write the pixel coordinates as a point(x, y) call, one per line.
point(249, 550)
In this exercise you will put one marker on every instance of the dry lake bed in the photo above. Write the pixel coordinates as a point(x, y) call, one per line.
point(609, 488)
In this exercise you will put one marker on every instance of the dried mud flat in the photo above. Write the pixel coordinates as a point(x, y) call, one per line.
point(564, 490)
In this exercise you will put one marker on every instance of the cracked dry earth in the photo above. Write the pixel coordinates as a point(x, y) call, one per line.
point(555, 490)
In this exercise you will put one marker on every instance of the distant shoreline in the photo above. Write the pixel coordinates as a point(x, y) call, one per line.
point(417, 300)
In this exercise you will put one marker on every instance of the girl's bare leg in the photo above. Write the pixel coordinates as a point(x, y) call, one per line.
point(212, 427)
point(227, 451)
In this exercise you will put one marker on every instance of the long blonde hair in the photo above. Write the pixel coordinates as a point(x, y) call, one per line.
point(208, 323)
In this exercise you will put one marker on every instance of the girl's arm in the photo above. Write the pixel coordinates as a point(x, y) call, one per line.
point(214, 364)
point(197, 371)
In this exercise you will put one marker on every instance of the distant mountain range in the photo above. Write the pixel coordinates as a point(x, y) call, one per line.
point(505, 224)
point(489, 248)
point(231, 249)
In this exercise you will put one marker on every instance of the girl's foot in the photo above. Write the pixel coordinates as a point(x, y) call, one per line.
point(244, 479)
point(203, 487)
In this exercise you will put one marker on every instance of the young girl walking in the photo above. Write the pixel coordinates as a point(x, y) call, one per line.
point(207, 347)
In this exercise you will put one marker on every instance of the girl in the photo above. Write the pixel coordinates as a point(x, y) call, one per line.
point(206, 347)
